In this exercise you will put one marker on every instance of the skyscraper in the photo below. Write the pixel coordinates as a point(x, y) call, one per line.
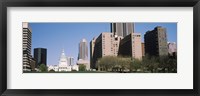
point(83, 50)
point(27, 39)
point(40, 56)
point(83, 54)
point(122, 29)
point(70, 61)
point(156, 42)
point(92, 45)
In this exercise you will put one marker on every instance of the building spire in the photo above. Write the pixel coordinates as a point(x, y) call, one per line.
point(62, 55)
point(63, 50)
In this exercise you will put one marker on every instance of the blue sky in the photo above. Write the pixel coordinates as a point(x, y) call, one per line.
point(56, 36)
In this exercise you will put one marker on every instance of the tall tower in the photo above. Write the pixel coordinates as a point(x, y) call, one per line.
point(40, 56)
point(156, 42)
point(83, 50)
point(27, 35)
point(92, 46)
point(70, 61)
point(122, 29)
point(83, 54)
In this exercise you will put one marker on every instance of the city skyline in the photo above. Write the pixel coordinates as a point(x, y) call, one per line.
point(68, 36)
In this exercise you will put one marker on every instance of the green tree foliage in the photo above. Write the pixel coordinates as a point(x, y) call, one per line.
point(107, 63)
point(113, 63)
point(51, 71)
point(153, 64)
point(135, 64)
point(172, 65)
point(168, 64)
point(147, 64)
point(43, 68)
point(82, 67)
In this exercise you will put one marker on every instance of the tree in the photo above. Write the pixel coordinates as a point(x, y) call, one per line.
point(51, 70)
point(172, 65)
point(151, 63)
point(43, 68)
point(82, 67)
point(145, 62)
point(117, 64)
point(135, 64)
point(107, 63)
point(124, 63)
point(163, 63)
point(166, 62)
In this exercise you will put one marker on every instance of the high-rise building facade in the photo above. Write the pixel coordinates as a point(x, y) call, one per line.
point(156, 42)
point(83, 50)
point(143, 49)
point(33, 63)
point(131, 46)
point(122, 29)
point(83, 54)
point(40, 56)
point(70, 61)
point(107, 44)
point(27, 39)
point(103, 46)
point(92, 46)
point(116, 43)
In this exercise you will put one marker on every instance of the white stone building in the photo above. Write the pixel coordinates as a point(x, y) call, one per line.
point(63, 64)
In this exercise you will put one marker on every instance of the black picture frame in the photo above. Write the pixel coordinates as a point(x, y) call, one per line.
point(98, 3)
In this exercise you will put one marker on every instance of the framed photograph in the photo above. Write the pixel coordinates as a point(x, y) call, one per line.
point(87, 47)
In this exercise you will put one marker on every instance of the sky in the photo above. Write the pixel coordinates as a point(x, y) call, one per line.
point(58, 36)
